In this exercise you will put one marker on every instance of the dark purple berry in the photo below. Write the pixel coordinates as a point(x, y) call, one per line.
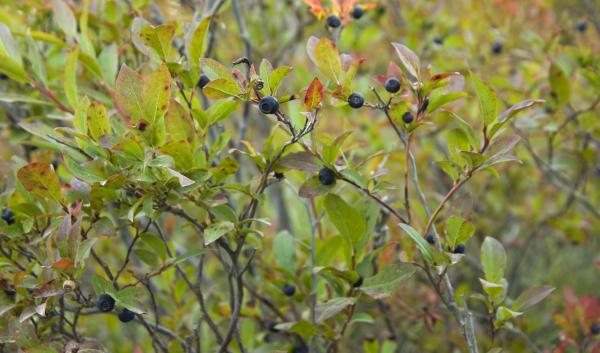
point(582, 26)
point(203, 81)
point(333, 21)
point(430, 239)
point(326, 176)
point(271, 327)
point(595, 329)
point(356, 100)
point(408, 118)
point(289, 290)
point(268, 105)
point(8, 216)
point(358, 282)
point(126, 315)
point(392, 85)
point(497, 47)
point(105, 303)
point(357, 12)
point(460, 249)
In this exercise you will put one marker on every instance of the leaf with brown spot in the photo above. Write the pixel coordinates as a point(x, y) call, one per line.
point(40, 180)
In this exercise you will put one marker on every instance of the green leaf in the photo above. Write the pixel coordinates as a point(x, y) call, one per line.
point(328, 59)
point(20, 98)
point(187, 255)
point(284, 248)
point(410, 61)
point(64, 18)
point(493, 260)
point(332, 307)
point(487, 100)
point(215, 70)
point(458, 231)
point(560, 85)
point(312, 187)
point(422, 244)
point(220, 110)
point(531, 296)
point(157, 93)
point(221, 88)
point(102, 285)
point(129, 298)
point(277, 77)
point(97, 120)
point(144, 97)
point(196, 41)
point(159, 38)
point(349, 221)
point(386, 281)
point(300, 161)
point(34, 56)
point(108, 60)
point(216, 230)
point(40, 180)
point(84, 251)
point(70, 84)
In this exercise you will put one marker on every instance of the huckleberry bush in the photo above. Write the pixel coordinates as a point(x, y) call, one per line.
point(317, 176)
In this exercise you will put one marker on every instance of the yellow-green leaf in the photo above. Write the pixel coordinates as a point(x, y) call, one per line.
point(196, 42)
point(328, 59)
point(98, 122)
point(70, 84)
point(159, 38)
point(40, 180)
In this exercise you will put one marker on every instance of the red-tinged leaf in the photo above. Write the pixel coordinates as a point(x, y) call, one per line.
point(313, 187)
point(64, 265)
point(314, 94)
point(300, 160)
point(445, 75)
point(316, 8)
point(40, 180)
point(409, 60)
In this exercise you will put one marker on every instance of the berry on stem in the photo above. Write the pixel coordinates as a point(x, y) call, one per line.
point(595, 329)
point(8, 216)
point(582, 26)
point(271, 327)
point(392, 85)
point(105, 303)
point(268, 105)
point(326, 176)
point(333, 21)
point(497, 47)
point(203, 81)
point(430, 239)
point(358, 282)
point(438, 40)
point(357, 12)
point(356, 100)
point(126, 315)
point(460, 249)
point(408, 118)
point(289, 290)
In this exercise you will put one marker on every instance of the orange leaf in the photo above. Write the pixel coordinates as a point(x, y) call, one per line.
point(314, 94)
point(64, 264)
